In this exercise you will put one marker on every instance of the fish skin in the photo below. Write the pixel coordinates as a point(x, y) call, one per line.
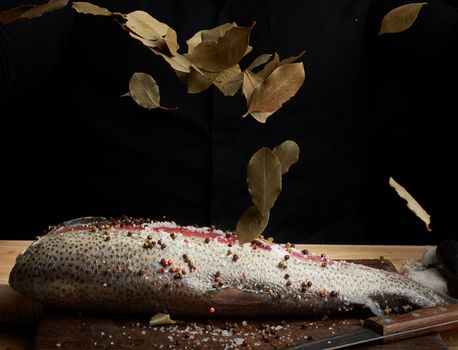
point(191, 271)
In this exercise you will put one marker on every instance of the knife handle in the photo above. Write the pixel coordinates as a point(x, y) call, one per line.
point(414, 323)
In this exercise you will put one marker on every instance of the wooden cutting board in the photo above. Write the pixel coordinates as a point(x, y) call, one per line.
point(77, 331)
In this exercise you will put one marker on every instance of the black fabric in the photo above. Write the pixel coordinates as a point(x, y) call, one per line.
point(368, 110)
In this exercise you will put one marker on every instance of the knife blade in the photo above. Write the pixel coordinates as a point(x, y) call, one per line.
point(391, 328)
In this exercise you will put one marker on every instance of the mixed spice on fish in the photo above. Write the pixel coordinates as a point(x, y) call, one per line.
point(131, 266)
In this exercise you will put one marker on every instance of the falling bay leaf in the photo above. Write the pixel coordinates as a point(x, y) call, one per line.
point(40, 10)
point(401, 18)
point(224, 53)
point(226, 83)
point(273, 64)
point(31, 11)
point(147, 42)
point(412, 204)
point(215, 33)
point(287, 153)
point(10, 15)
point(250, 82)
point(264, 179)
point(144, 25)
point(248, 50)
point(171, 40)
point(162, 320)
point(251, 225)
point(258, 61)
point(195, 80)
point(90, 9)
point(291, 59)
point(279, 87)
point(178, 62)
point(208, 34)
point(144, 90)
point(261, 116)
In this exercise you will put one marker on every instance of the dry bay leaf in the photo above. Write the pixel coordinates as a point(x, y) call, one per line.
point(251, 225)
point(144, 25)
point(144, 90)
point(258, 61)
point(264, 179)
point(147, 42)
point(226, 82)
point(226, 52)
point(250, 82)
point(291, 59)
point(40, 10)
point(261, 116)
point(208, 34)
point(31, 11)
point(195, 80)
point(273, 64)
point(178, 62)
point(412, 204)
point(401, 18)
point(12, 14)
point(279, 87)
point(171, 40)
point(236, 82)
point(90, 9)
point(162, 320)
point(215, 33)
point(287, 153)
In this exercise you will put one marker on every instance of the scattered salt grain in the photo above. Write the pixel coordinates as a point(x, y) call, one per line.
point(239, 341)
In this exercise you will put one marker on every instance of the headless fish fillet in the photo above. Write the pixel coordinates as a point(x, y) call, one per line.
point(132, 267)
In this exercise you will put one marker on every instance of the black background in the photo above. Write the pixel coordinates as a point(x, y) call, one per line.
point(371, 107)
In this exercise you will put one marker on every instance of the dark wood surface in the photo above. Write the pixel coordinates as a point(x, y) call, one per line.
point(77, 331)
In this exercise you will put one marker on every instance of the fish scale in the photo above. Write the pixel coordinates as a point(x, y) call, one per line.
point(145, 268)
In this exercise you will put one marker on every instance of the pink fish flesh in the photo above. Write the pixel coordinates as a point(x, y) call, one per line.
point(135, 267)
